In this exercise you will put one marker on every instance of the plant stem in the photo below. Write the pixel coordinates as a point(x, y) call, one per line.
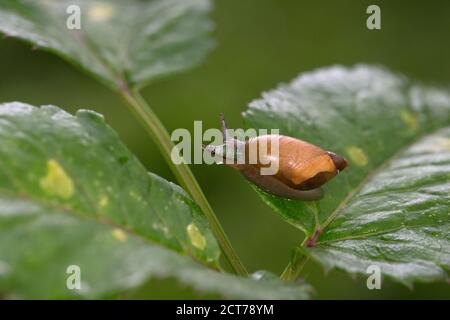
point(182, 172)
point(295, 266)
point(293, 269)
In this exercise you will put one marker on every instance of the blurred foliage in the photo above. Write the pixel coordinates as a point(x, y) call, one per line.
point(259, 44)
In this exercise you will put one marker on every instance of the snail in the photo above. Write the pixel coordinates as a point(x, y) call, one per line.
point(302, 168)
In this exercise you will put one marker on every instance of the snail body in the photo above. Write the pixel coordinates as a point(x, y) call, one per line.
point(302, 167)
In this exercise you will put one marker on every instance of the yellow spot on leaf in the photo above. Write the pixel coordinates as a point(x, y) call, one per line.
point(103, 201)
point(197, 239)
point(119, 235)
point(410, 120)
point(357, 156)
point(444, 143)
point(57, 182)
point(101, 11)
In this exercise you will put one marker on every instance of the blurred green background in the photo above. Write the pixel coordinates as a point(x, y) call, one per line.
point(260, 43)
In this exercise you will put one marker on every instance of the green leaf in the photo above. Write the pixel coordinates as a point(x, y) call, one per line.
point(120, 42)
point(389, 207)
point(72, 194)
point(38, 244)
point(399, 220)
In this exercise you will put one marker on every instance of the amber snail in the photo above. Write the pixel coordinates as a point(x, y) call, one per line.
point(302, 167)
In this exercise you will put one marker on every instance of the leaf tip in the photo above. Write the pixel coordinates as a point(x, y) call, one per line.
point(90, 115)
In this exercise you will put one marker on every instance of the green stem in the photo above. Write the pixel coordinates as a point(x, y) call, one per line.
point(293, 269)
point(295, 266)
point(182, 172)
